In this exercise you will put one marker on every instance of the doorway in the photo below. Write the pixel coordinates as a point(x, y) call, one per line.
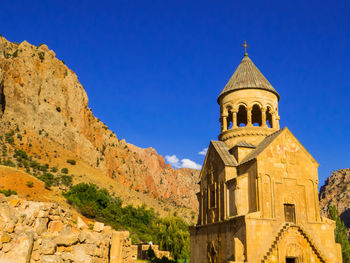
point(291, 260)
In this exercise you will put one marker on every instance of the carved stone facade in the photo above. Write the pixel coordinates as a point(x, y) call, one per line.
point(258, 199)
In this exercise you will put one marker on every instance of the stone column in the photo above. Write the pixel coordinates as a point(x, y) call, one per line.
point(263, 117)
point(116, 248)
point(277, 122)
point(234, 119)
point(224, 123)
point(218, 201)
point(199, 197)
point(273, 120)
point(249, 117)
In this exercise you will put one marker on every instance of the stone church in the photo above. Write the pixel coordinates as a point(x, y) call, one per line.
point(258, 199)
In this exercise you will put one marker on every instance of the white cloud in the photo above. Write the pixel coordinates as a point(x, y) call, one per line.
point(203, 152)
point(173, 160)
point(184, 163)
point(187, 163)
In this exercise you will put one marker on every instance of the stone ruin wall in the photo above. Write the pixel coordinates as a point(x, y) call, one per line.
point(32, 232)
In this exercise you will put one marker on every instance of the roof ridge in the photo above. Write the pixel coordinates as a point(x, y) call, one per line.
point(261, 146)
point(247, 76)
point(244, 144)
point(223, 151)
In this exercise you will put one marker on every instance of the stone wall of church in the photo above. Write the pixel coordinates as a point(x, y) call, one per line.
point(218, 242)
point(288, 175)
point(289, 240)
point(212, 191)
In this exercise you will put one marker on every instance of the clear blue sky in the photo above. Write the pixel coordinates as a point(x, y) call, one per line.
point(153, 69)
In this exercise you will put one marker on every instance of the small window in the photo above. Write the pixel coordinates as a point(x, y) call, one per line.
point(289, 213)
point(212, 198)
point(291, 260)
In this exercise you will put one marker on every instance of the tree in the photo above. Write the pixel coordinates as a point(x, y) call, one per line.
point(150, 253)
point(340, 234)
point(173, 236)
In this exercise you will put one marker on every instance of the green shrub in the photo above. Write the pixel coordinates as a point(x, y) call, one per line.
point(48, 185)
point(8, 192)
point(48, 179)
point(41, 56)
point(9, 163)
point(25, 164)
point(54, 169)
point(72, 162)
point(20, 154)
point(30, 184)
point(150, 253)
point(9, 137)
point(66, 180)
point(34, 164)
point(64, 170)
point(154, 259)
point(15, 54)
point(44, 168)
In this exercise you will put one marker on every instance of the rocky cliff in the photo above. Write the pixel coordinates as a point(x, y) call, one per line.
point(336, 192)
point(42, 99)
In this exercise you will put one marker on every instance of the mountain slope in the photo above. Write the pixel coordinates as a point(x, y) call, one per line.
point(42, 100)
point(336, 192)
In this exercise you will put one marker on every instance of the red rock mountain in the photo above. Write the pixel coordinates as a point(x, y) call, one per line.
point(44, 100)
point(336, 192)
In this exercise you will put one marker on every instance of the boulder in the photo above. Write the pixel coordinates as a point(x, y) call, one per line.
point(48, 246)
point(50, 259)
point(5, 238)
point(81, 224)
point(55, 226)
point(40, 225)
point(98, 226)
point(22, 248)
point(67, 238)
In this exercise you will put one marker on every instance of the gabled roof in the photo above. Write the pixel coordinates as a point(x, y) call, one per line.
point(262, 146)
point(244, 144)
point(247, 76)
point(224, 153)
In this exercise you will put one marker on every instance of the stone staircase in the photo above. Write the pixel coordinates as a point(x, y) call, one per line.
point(319, 254)
point(280, 234)
point(275, 242)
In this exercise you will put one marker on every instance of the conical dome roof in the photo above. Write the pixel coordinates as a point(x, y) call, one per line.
point(247, 76)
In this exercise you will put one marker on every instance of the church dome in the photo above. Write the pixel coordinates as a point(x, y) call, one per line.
point(248, 106)
point(247, 76)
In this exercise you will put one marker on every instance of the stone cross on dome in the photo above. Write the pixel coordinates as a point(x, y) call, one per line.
point(245, 47)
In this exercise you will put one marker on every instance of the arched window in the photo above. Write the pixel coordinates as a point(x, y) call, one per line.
point(242, 116)
point(229, 119)
point(256, 116)
point(269, 117)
